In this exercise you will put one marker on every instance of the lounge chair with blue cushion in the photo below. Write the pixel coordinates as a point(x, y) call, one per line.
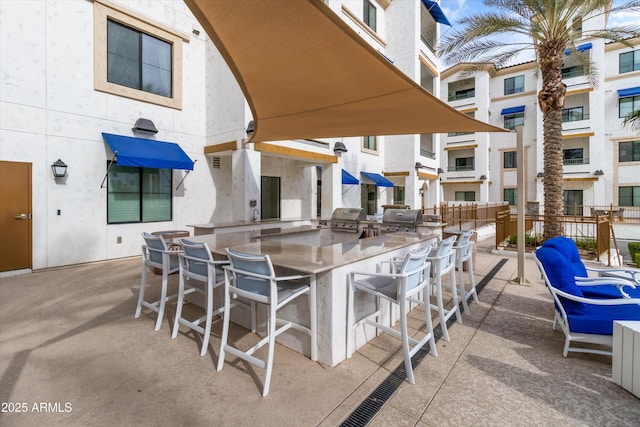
point(582, 319)
point(610, 283)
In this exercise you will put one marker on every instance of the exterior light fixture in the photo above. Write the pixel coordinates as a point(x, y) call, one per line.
point(419, 165)
point(339, 147)
point(59, 169)
point(483, 177)
point(250, 128)
point(598, 172)
point(144, 126)
point(540, 175)
point(440, 170)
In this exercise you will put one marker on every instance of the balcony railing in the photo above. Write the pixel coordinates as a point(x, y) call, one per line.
point(427, 153)
point(424, 40)
point(459, 133)
point(574, 117)
point(571, 162)
point(574, 72)
point(461, 168)
point(464, 95)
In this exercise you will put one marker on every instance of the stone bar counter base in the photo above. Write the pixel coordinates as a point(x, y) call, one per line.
point(328, 256)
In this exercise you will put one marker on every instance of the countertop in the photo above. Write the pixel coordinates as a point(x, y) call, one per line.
point(312, 259)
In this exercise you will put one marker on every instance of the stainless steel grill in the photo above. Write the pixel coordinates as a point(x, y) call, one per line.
point(400, 220)
point(347, 219)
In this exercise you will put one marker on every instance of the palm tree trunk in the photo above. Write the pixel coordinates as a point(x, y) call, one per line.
point(551, 101)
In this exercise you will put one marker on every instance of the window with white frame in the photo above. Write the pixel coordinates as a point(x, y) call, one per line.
point(628, 105)
point(369, 143)
point(514, 85)
point(629, 196)
point(511, 196)
point(369, 14)
point(629, 61)
point(629, 151)
point(511, 121)
point(510, 159)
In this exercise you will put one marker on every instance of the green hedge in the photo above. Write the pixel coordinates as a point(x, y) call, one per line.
point(634, 251)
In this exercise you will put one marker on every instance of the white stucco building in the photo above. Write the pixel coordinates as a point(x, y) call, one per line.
point(601, 156)
point(70, 73)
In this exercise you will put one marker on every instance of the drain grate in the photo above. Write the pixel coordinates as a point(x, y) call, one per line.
point(374, 402)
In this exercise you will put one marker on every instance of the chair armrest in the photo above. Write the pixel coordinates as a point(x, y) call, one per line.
point(596, 281)
point(633, 273)
point(592, 301)
point(292, 277)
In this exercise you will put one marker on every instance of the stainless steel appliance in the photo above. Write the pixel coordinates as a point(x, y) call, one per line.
point(400, 220)
point(347, 219)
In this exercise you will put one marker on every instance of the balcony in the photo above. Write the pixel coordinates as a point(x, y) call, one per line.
point(461, 168)
point(572, 72)
point(428, 154)
point(574, 162)
point(462, 94)
point(574, 116)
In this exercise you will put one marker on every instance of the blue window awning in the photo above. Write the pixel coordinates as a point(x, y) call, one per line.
point(632, 91)
point(579, 48)
point(512, 110)
point(349, 179)
point(147, 153)
point(435, 11)
point(378, 179)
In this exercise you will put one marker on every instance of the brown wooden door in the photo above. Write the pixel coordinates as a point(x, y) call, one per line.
point(15, 216)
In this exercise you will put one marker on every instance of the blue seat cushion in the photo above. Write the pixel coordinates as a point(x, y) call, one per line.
point(562, 278)
point(598, 319)
point(568, 248)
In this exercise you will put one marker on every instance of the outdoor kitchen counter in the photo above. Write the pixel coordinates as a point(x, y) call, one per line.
point(329, 265)
point(342, 248)
point(239, 226)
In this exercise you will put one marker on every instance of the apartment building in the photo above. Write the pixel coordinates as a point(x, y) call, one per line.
point(82, 82)
point(601, 160)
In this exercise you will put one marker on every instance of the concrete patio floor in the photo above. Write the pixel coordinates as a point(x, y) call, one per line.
point(72, 354)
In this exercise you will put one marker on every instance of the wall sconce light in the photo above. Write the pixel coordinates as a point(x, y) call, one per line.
point(540, 175)
point(339, 147)
point(250, 129)
point(419, 165)
point(421, 191)
point(144, 126)
point(440, 170)
point(59, 169)
point(598, 172)
point(483, 177)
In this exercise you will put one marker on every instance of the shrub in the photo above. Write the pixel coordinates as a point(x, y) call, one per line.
point(634, 249)
point(588, 245)
point(638, 259)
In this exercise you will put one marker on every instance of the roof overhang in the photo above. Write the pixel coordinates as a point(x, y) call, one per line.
point(306, 74)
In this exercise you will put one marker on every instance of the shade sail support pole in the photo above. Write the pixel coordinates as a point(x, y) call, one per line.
point(108, 169)
point(186, 174)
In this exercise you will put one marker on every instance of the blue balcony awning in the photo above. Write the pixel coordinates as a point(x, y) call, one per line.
point(632, 91)
point(435, 11)
point(349, 179)
point(378, 179)
point(579, 48)
point(512, 110)
point(147, 153)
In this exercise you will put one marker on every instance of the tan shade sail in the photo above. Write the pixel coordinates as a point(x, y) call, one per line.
point(306, 74)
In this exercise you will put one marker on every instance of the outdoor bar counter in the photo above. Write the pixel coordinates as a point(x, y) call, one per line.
point(328, 257)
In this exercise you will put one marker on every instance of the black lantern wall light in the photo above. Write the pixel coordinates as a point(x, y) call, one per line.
point(59, 169)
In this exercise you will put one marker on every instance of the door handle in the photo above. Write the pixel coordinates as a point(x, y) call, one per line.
point(21, 216)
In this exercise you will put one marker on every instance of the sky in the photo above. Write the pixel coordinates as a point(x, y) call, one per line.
point(457, 9)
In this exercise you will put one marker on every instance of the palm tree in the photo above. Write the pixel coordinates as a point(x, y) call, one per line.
point(548, 27)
